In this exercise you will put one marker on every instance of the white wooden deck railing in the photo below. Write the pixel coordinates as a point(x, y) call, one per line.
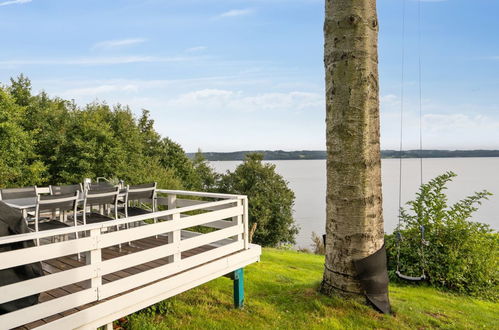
point(228, 216)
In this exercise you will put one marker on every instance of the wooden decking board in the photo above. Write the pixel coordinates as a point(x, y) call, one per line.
point(142, 245)
point(193, 252)
point(127, 271)
point(118, 254)
point(31, 325)
point(70, 262)
point(49, 269)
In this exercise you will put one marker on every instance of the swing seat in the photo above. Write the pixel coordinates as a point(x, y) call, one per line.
point(410, 278)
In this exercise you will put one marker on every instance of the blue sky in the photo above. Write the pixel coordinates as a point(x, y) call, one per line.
point(225, 75)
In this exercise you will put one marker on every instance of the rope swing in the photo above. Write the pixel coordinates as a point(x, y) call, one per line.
point(399, 237)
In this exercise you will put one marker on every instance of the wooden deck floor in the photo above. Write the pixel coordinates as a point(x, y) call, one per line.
point(69, 262)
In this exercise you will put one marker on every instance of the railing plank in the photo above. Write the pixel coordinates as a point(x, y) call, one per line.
point(51, 307)
point(43, 252)
point(136, 258)
point(219, 224)
point(198, 194)
point(44, 283)
point(181, 202)
point(205, 239)
point(209, 217)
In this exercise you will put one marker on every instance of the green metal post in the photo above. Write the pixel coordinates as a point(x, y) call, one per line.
point(238, 288)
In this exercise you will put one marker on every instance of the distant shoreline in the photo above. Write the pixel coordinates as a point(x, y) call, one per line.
point(321, 154)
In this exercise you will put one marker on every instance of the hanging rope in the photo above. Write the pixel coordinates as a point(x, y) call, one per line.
point(402, 61)
point(402, 85)
point(420, 97)
point(420, 81)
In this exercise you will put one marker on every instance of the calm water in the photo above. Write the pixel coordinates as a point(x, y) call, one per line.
point(307, 178)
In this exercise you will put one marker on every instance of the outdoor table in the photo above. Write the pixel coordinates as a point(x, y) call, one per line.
point(27, 204)
point(24, 204)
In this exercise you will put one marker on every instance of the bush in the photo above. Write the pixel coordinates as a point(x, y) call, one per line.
point(270, 199)
point(462, 256)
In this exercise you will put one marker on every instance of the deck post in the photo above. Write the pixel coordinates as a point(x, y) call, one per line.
point(175, 236)
point(246, 222)
point(238, 220)
point(94, 258)
point(238, 288)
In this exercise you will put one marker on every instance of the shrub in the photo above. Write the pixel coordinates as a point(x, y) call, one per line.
point(270, 199)
point(462, 256)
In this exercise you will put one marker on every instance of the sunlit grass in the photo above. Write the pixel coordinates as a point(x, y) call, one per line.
point(281, 294)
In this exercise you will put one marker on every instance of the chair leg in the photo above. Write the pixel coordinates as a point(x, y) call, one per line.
point(118, 229)
point(128, 227)
point(156, 221)
point(78, 254)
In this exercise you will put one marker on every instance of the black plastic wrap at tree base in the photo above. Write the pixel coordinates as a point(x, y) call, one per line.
point(373, 276)
point(12, 223)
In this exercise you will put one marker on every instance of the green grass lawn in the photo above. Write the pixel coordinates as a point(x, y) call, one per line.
point(281, 293)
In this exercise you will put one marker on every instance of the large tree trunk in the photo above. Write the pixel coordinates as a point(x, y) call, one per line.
point(354, 225)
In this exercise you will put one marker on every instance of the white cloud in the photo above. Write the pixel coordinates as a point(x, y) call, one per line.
point(444, 126)
point(94, 60)
point(161, 94)
point(389, 100)
point(196, 49)
point(174, 87)
point(98, 90)
point(460, 131)
point(113, 44)
point(444, 123)
point(14, 2)
point(228, 100)
point(236, 12)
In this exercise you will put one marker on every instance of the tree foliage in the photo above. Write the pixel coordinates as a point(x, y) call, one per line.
point(269, 196)
point(47, 140)
point(19, 164)
point(205, 176)
point(461, 255)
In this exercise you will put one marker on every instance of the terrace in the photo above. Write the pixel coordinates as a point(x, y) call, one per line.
point(106, 274)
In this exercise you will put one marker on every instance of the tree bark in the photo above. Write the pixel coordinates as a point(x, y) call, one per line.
point(354, 221)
